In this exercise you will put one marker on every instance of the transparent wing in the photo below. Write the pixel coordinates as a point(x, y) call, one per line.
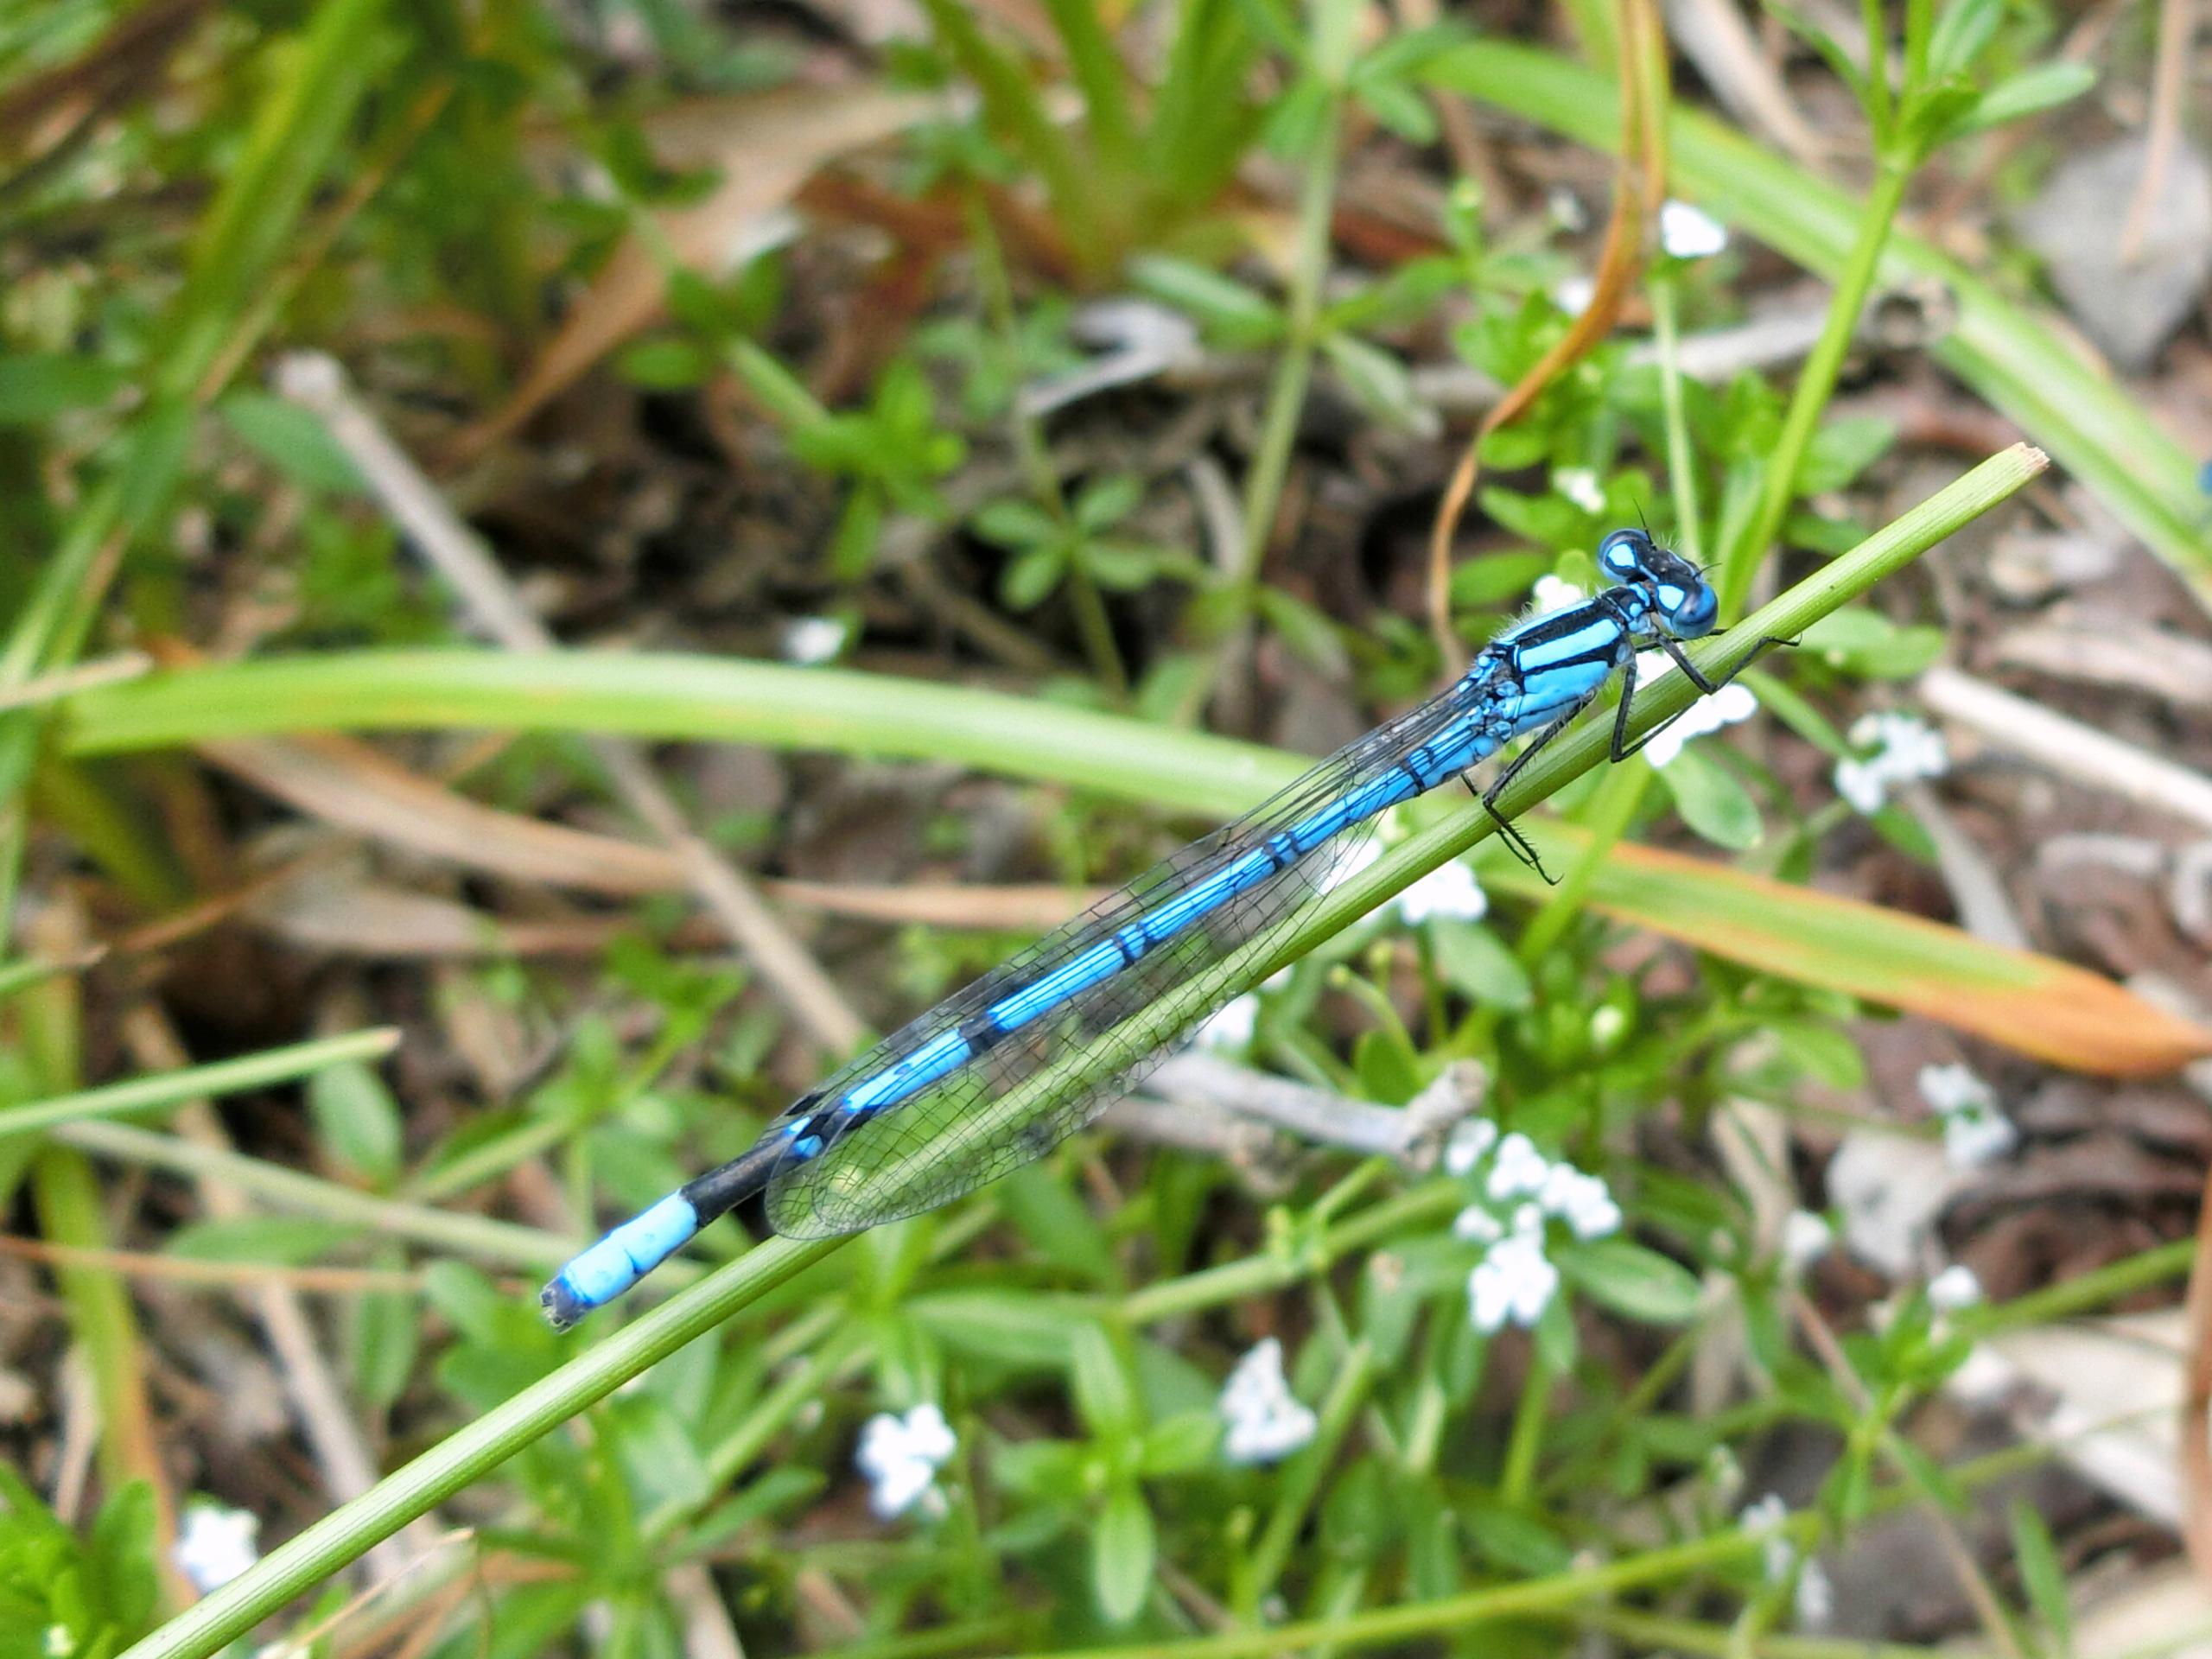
point(970, 1127)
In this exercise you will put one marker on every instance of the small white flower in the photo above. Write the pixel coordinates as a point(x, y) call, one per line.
point(1974, 1138)
point(1231, 1025)
point(1580, 485)
point(1953, 1288)
point(1906, 748)
point(1607, 1025)
point(1513, 1283)
point(1450, 891)
point(1816, 1597)
point(1731, 703)
point(1470, 1141)
point(1477, 1226)
point(1976, 1130)
point(215, 1545)
point(1765, 1520)
point(1688, 233)
point(1573, 294)
point(1583, 1201)
point(1267, 1422)
point(56, 1641)
point(1551, 593)
point(1565, 209)
point(810, 640)
point(1947, 1088)
point(1519, 1168)
point(901, 1455)
point(1805, 1239)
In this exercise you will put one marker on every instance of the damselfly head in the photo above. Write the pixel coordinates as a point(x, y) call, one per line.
point(1682, 602)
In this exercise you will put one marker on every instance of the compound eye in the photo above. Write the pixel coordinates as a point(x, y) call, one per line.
point(1697, 611)
point(1621, 553)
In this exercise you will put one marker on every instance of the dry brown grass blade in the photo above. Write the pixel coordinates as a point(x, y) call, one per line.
point(1639, 181)
point(347, 783)
point(1034, 908)
point(2196, 1398)
point(766, 147)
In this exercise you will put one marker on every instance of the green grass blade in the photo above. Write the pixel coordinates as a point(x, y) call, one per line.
point(196, 1082)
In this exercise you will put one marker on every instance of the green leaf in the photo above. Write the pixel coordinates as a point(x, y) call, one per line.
point(1182, 1443)
point(1377, 381)
point(1121, 566)
point(668, 364)
point(1236, 314)
point(1631, 1279)
point(1057, 1226)
point(1104, 1396)
point(290, 439)
point(1025, 583)
point(1860, 640)
point(1123, 1554)
point(1712, 802)
point(1052, 1470)
point(1016, 523)
point(860, 528)
point(1308, 632)
point(1517, 1541)
point(2029, 93)
point(357, 1121)
point(36, 386)
point(1476, 963)
point(2041, 1575)
point(290, 1239)
point(1400, 108)
point(1106, 501)
point(1840, 450)
point(1963, 33)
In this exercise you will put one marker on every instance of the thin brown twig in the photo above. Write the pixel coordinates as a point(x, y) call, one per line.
point(1639, 180)
point(318, 384)
point(143, 1264)
point(2168, 82)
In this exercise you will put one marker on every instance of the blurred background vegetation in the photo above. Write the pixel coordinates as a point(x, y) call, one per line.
point(564, 564)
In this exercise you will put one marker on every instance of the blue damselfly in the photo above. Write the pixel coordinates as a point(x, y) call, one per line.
point(911, 1122)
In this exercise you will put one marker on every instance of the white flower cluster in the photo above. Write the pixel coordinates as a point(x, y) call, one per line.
point(1688, 233)
point(215, 1545)
point(811, 640)
point(1231, 1025)
point(1514, 1281)
point(1267, 1422)
point(1731, 703)
point(1449, 890)
point(901, 1457)
point(1905, 748)
point(1554, 593)
point(1806, 1239)
point(1953, 1289)
point(1778, 1557)
point(1974, 1130)
point(1580, 486)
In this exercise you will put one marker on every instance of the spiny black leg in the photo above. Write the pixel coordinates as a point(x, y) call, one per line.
point(1513, 837)
point(1674, 648)
point(1516, 842)
point(1621, 709)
